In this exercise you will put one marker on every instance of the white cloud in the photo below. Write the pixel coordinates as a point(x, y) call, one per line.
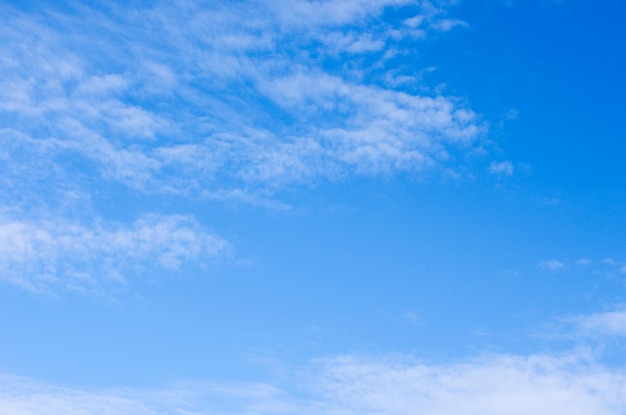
point(413, 318)
point(354, 42)
point(326, 13)
point(445, 25)
point(608, 268)
point(376, 130)
point(500, 384)
point(51, 254)
point(607, 323)
point(25, 396)
point(501, 168)
point(415, 21)
point(553, 265)
point(244, 97)
point(512, 114)
point(490, 385)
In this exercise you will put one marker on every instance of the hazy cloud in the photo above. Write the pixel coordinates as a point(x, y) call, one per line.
point(607, 266)
point(489, 385)
point(501, 168)
point(553, 265)
point(51, 254)
point(611, 323)
point(194, 97)
point(501, 384)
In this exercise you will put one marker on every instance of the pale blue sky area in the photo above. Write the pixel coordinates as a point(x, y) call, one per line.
point(312, 207)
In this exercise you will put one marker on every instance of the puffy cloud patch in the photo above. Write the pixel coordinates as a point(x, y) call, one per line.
point(250, 97)
point(612, 323)
point(51, 254)
point(504, 168)
point(553, 265)
point(500, 384)
point(489, 385)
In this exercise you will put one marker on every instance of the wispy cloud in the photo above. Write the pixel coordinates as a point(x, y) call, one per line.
point(489, 385)
point(607, 267)
point(413, 318)
point(501, 384)
point(194, 100)
point(189, 97)
point(612, 323)
point(56, 254)
point(553, 265)
point(26, 396)
point(501, 168)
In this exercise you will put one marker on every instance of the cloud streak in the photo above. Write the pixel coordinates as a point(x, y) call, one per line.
point(609, 323)
point(250, 99)
point(50, 254)
point(501, 384)
point(489, 385)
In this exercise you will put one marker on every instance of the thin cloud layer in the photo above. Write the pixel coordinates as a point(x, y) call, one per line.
point(608, 267)
point(491, 385)
point(501, 168)
point(553, 265)
point(202, 100)
point(608, 323)
point(49, 255)
point(194, 97)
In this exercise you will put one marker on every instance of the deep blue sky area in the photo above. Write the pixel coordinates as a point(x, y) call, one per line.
point(312, 207)
point(560, 67)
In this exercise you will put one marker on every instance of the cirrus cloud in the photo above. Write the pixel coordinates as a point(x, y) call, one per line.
point(246, 96)
point(569, 383)
point(50, 254)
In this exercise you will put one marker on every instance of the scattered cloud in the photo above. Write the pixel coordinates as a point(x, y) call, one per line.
point(512, 114)
point(488, 385)
point(413, 318)
point(57, 254)
point(611, 323)
point(445, 25)
point(550, 200)
point(501, 168)
point(553, 265)
point(500, 384)
point(25, 396)
point(606, 268)
point(193, 98)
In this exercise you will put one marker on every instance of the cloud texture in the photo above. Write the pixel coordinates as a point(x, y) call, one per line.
point(490, 385)
point(192, 96)
point(44, 255)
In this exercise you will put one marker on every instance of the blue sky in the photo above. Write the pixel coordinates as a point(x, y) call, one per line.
point(312, 207)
